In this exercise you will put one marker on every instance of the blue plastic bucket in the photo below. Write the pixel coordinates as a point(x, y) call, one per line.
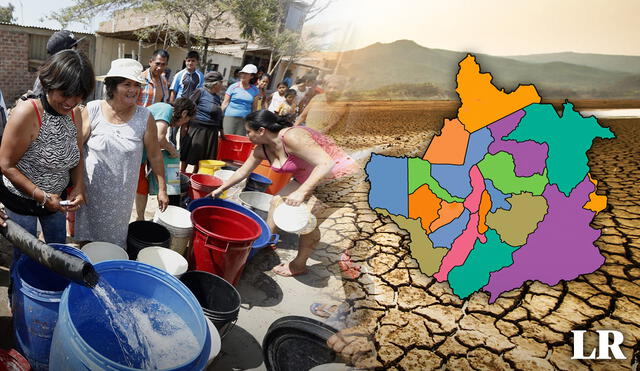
point(257, 182)
point(35, 301)
point(266, 237)
point(83, 341)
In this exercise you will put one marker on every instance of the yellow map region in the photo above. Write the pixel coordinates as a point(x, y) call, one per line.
point(482, 103)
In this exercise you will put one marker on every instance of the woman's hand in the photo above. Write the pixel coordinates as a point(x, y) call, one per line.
point(52, 203)
point(296, 198)
point(216, 193)
point(163, 200)
point(173, 152)
point(77, 198)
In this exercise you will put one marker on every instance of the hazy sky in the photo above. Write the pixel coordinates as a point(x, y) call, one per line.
point(499, 27)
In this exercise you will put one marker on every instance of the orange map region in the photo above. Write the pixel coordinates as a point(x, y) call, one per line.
point(482, 102)
point(596, 202)
point(450, 146)
point(485, 206)
point(425, 205)
point(447, 213)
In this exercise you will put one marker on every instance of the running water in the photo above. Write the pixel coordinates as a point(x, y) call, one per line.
point(149, 334)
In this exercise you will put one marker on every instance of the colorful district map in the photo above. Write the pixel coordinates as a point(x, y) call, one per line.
point(502, 196)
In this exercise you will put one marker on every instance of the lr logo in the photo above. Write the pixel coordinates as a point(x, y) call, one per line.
point(604, 346)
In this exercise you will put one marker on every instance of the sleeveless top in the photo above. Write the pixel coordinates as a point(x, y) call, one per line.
point(301, 169)
point(50, 157)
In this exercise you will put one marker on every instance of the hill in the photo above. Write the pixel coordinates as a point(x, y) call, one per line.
point(620, 63)
point(405, 63)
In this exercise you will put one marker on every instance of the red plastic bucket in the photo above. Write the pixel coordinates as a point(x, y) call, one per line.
point(11, 360)
point(234, 148)
point(200, 185)
point(222, 241)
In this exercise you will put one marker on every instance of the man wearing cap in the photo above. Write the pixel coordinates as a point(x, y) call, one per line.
point(157, 88)
point(59, 41)
point(200, 141)
point(185, 82)
point(239, 101)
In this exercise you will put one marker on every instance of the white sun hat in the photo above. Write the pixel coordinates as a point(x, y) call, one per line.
point(249, 68)
point(124, 67)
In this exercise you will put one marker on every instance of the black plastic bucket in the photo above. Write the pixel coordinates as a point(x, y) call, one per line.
point(143, 234)
point(257, 182)
point(220, 301)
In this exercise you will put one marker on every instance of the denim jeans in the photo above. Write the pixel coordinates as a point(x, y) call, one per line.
point(54, 227)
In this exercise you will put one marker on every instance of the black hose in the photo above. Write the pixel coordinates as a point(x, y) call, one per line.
point(67, 265)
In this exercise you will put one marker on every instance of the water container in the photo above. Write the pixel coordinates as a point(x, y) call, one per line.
point(234, 148)
point(222, 241)
point(257, 182)
point(35, 302)
point(266, 237)
point(178, 222)
point(102, 251)
point(202, 185)
point(209, 166)
point(220, 301)
point(280, 180)
point(84, 341)
point(11, 360)
point(143, 233)
point(257, 201)
point(167, 260)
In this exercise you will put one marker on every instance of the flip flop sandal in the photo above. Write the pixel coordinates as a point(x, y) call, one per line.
point(323, 310)
point(349, 269)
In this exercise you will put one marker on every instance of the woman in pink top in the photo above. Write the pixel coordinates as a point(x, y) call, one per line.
point(312, 158)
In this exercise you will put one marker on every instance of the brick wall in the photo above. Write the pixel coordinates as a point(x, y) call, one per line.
point(15, 78)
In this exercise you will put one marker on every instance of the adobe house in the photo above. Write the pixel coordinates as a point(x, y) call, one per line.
point(23, 50)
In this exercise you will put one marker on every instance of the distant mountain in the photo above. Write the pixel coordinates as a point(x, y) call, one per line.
point(406, 63)
point(620, 63)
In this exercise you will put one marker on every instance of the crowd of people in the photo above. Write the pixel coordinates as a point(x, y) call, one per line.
point(63, 156)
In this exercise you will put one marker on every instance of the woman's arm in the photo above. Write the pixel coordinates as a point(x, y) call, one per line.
point(77, 195)
point(225, 102)
point(22, 129)
point(301, 144)
point(242, 173)
point(163, 127)
point(155, 159)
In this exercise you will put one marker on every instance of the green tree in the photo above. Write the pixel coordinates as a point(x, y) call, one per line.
point(6, 13)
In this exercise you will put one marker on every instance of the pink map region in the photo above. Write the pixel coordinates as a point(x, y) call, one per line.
point(560, 249)
point(460, 249)
point(529, 157)
point(472, 202)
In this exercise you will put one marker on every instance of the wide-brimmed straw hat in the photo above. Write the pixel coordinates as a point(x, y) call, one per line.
point(125, 67)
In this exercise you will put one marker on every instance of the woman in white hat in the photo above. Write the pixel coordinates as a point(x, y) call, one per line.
point(116, 132)
point(239, 101)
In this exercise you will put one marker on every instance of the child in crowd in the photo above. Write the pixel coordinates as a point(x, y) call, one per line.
point(288, 107)
point(278, 97)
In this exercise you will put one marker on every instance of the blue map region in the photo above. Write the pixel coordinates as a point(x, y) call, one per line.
point(455, 178)
point(445, 235)
point(388, 177)
point(498, 199)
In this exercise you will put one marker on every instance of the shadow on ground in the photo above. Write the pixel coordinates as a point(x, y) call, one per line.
point(240, 351)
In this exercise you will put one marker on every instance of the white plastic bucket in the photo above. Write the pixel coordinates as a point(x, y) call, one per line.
point(103, 251)
point(178, 221)
point(165, 259)
point(216, 341)
point(232, 193)
point(292, 219)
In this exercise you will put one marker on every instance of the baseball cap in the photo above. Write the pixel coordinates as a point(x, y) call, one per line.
point(249, 68)
point(212, 76)
point(61, 40)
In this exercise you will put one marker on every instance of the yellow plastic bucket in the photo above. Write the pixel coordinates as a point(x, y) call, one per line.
point(209, 166)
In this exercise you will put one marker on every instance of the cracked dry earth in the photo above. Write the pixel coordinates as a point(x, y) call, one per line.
point(416, 323)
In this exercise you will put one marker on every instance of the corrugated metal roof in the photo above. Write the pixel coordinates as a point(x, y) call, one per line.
point(44, 28)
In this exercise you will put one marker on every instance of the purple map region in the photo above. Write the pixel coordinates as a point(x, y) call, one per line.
point(529, 157)
point(560, 249)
